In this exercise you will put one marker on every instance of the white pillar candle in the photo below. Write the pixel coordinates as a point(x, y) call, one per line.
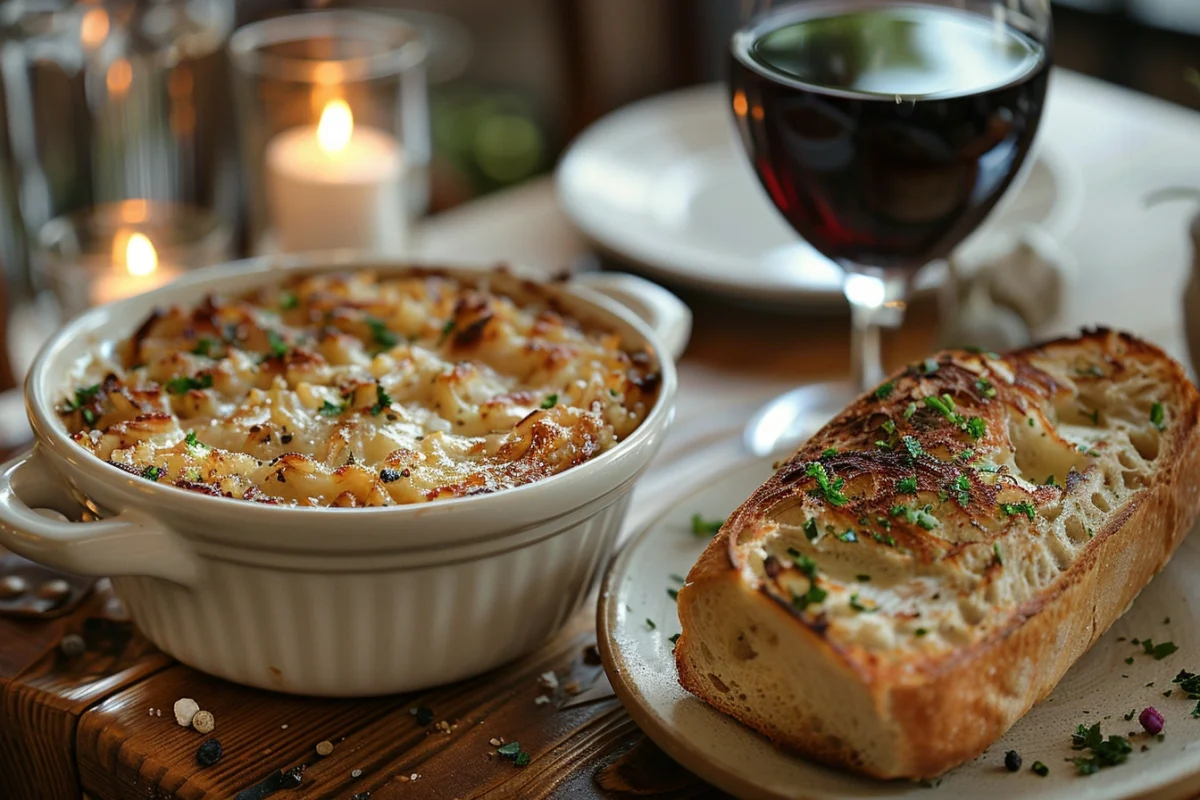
point(336, 184)
point(135, 270)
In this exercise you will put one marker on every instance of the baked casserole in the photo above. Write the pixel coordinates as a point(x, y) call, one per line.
point(353, 390)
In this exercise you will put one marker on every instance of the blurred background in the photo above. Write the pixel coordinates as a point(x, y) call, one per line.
point(103, 101)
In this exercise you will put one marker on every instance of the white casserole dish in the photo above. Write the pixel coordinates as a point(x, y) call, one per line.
point(333, 602)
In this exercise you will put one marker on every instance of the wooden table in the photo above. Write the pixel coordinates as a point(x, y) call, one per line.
point(72, 725)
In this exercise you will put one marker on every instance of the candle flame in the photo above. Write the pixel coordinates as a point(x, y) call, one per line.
point(140, 257)
point(335, 127)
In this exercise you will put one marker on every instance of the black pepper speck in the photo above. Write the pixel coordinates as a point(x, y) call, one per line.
point(424, 715)
point(1012, 761)
point(210, 752)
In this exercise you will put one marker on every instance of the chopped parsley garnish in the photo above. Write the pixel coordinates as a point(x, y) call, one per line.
point(329, 409)
point(1160, 650)
point(977, 350)
point(82, 396)
point(909, 410)
point(848, 536)
point(1129, 660)
point(380, 333)
point(1087, 451)
point(705, 527)
point(152, 473)
point(912, 446)
point(1156, 416)
point(650, 624)
point(1105, 753)
point(1050, 481)
point(920, 632)
point(677, 578)
point(382, 400)
point(943, 405)
point(1090, 369)
point(1030, 421)
point(830, 490)
point(674, 639)
point(1016, 509)
point(191, 441)
point(976, 427)
point(999, 555)
point(810, 530)
point(522, 759)
point(803, 563)
point(182, 384)
point(857, 606)
point(511, 749)
point(204, 346)
point(813, 596)
point(962, 487)
point(916, 516)
point(884, 538)
point(1040, 769)
point(882, 445)
point(829, 452)
point(1189, 682)
point(288, 300)
point(278, 346)
point(888, 427)
point(673, 594)
point(907, 485)
point(967, 454)
point(985, 388)
point(1093, 415)
point(1131, 714)
point(863, 578)
point(550, 402)
point(446, 330)
point(884, 390)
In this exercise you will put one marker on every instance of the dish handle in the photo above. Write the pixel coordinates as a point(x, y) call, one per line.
point(128, 544)
point(666, 314)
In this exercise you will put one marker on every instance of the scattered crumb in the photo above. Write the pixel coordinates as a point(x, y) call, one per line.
point(445, 727)
point(283, 727)
point(415, 776)
point(185, 709)
point(541, 699)
point(356, 773)
point(204, 721)
point(549, 680)
point(324, 748)
point(572, 687)
point(494, 742)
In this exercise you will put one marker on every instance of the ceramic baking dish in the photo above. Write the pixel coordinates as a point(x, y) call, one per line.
point(334, 602)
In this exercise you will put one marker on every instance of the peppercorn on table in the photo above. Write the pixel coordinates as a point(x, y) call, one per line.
point(87, 706)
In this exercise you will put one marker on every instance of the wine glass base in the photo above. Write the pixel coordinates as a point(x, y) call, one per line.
point(793, 417)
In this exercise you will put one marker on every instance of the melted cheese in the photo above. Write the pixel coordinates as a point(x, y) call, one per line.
point(351, 390)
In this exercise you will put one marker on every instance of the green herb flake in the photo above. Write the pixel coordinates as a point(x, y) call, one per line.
point(380, 334)
point(1093, 415)
point(967, 455)
point(1156, 416)
point(182, 384)
point(191, 441)
point(831, 490)
point(884, 390)
point(550, 402)
point(152, 473)
point(829, 452)
point(1016, 509)
point(919, 632)
point(673, 594)
point(882, 445)
point(288, 300)
point(1129, 660)
point(1039, 768)
point(912, 446)
point(329, 409)
point(814, 596)
point(1030, 421)
point(650, 624)
point(89, 416)
point(279, 347)
point(705, 527)
point(1104, 753)
point(810, 530)
point(1160, 650)
point(863, 578)
point(674, 639)
point(509, 749)
point(985, 388)
point(999, 555)
point(889, 427)
point(447, 329)
point(907, 485)
point(909, 410)
point(522, 759)
point(382, 400)
point(848, 536)
point(857, 606)
point(962, 486)
point(205, 346)
point(976, 427)
point(803, 563)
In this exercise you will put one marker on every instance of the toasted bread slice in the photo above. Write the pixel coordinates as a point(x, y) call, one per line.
point(930, 564)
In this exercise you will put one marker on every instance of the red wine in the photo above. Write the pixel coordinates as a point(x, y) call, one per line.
point(885, 133)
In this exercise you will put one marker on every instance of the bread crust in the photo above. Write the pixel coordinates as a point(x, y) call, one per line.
point(934, 713)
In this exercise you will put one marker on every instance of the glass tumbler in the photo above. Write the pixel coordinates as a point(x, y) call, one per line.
point(334, 127)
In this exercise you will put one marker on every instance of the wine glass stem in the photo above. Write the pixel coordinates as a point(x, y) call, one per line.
point(877, 300)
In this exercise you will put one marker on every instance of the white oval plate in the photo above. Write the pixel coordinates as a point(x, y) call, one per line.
point(665, 184)
point(641, 667)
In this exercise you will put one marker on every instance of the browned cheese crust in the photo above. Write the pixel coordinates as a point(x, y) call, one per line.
point(898, 629)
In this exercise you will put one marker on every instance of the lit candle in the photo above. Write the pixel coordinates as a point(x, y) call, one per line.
point(135, 270)
point(336, 184)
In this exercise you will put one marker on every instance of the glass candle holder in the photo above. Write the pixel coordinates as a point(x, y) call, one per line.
point(118, 250)
point(334, 123)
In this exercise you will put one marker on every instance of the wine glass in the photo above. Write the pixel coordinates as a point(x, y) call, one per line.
point(884, 131)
